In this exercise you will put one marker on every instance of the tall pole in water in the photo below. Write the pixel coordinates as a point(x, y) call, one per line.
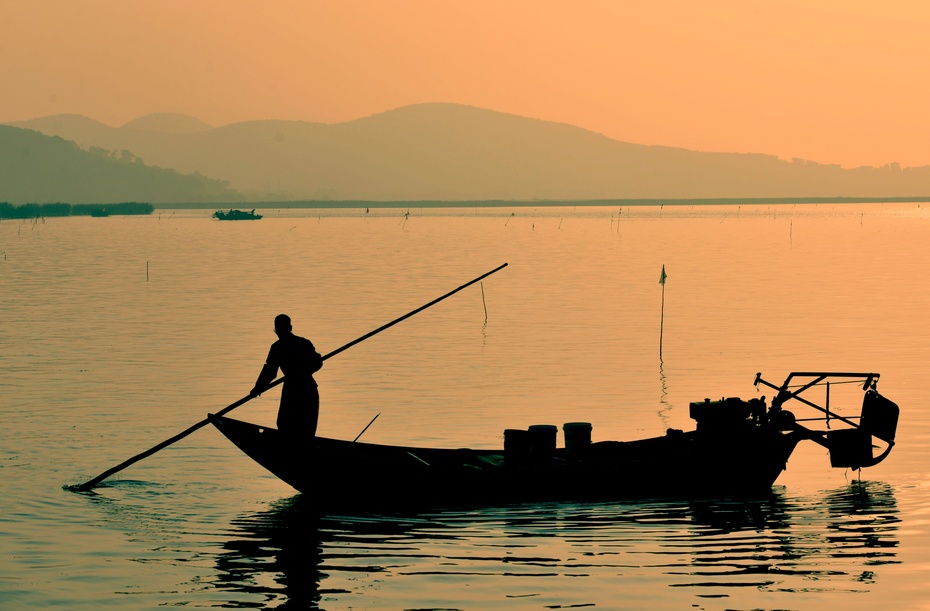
point(662, 278)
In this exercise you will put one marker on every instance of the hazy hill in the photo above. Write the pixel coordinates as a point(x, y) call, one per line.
point(168, 123)
point(448, 151)
point(35, 168)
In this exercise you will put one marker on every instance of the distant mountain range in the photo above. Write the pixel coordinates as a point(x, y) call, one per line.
point(446, 152)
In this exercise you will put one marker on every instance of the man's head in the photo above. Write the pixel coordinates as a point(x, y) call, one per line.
point(282, 324)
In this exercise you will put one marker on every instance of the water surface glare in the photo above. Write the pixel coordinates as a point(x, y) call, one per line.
point(118, 332)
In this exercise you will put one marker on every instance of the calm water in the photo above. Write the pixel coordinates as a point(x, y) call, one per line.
point(119, 332)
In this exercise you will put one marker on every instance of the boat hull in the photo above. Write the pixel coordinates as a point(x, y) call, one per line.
point(340, 474)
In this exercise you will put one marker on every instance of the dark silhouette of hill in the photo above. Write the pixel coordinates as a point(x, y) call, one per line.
point(455, 152)
point(35, 168)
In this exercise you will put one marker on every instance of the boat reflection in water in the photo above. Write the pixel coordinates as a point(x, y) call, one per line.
point(836, 540)
point(668, 552)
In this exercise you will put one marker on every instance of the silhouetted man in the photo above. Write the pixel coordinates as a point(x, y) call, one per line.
point(298, 361)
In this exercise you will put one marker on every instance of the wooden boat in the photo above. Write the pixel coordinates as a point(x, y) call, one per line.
point(737, 447)
point(236, 215)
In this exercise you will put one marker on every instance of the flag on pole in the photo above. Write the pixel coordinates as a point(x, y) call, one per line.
point(663, 276)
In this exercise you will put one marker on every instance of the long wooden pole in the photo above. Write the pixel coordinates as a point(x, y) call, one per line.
point(89, 484)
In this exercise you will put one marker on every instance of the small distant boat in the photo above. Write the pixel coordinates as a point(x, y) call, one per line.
point(738, 447)
point(236, 215)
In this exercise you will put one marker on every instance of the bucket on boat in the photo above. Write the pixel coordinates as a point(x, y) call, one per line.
point(542, 441)
point(516, 446)
point(577, 436)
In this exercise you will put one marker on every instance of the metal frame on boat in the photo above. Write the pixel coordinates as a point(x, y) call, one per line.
point(737, 447)
point(852, 446)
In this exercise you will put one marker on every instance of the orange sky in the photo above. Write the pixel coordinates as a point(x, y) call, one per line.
point(831, 81)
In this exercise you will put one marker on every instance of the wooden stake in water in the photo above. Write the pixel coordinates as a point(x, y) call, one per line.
point(484, 303)
point(662, 278)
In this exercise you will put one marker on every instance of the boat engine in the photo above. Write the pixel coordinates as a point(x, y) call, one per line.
point(728, 413)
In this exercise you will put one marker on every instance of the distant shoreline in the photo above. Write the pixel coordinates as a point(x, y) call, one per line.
point(500, 203)
point(31, 211)
point(9, 211)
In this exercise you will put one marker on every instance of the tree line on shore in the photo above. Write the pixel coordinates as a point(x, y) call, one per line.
point(29, 211)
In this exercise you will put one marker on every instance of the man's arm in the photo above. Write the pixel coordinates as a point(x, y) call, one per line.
point(266, 377)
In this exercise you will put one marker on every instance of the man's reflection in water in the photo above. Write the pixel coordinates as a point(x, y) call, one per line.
point(280, 545)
